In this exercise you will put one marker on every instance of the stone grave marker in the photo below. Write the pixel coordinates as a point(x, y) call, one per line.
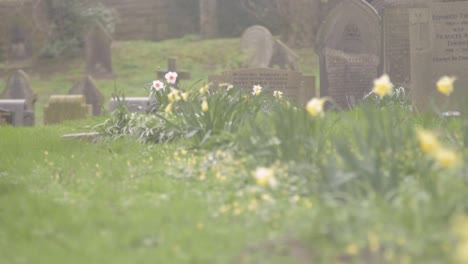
point(66, 107)
point(172, 67)
point(293, 84)
point(99, 52)
point(14, 112)
point(93, 96)
point(349, 47)
point(133, 104)
point(264, 51)
point(439, 46)
point(18, 88)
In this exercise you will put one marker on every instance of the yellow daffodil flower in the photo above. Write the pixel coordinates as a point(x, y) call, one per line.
point(257, 89)
point(427, 141)
point(265, 177)
point(185, 96)
point(383, 86)
point(445, 85)
point(446, 158)
point(204, 106)
point(168, 108)
point(315, 106)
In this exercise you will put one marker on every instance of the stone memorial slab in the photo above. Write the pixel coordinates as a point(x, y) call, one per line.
point(66, 107)
point(439, 47)
point(133, 104)
point(98, 52)
point(293, 84)
point(16, 109)
point(349, 47)
point(93, 96)
point(18, 88)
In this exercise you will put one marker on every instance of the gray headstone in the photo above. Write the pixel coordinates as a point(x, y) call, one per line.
point(438, 47)
point(17, 109)
point(133, 104)
point(18, 88)
point(93, 96)
point(99, 52)
point(293, 84)
point(66, 107)
point(258, 45)
point(349, 47)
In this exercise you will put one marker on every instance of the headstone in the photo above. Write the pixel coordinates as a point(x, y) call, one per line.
point(172, 67)
point(258, 45)
point(133, 104)
point(93, 96)
point(99, 52)
point(19, 43)
point(293, 84)
point(18, 88)
point(349, 47)
point(66, 107)
point(14, 111)
point(438, 47)
point(264, 51)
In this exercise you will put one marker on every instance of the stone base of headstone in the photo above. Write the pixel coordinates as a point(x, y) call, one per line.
point(133, 104)
point(66, 107)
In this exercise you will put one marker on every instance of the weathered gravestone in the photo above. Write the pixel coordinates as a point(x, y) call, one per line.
point(66, 107)
point(349, 47)
point(18, 88)
point(438, 47)
point(293, 84)
point(14, 112)
point(93, 96)
point(99, 52)
point(264, 51)
point(133, 104)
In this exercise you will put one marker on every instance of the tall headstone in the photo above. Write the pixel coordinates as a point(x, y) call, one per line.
point(93, 96)
point(66, 107)
point(349, 47)
point(18, 88)
point(439, 46)
point(99, 52)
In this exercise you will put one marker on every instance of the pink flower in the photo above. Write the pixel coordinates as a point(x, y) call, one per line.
point(171, 77)
point(158, 85)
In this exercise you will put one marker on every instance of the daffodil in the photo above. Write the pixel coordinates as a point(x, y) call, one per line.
point(265, 177)
point(204, 89)
point(257, 89)
point(446, 158)
point(445, 85)
point(204, 106)
point(427, 141)
point(383, 86)
point(168, 108)
point(171, 77)
point(278, 94)
point(315, 106)
point(461, 253)
point(158, 85)
point(185, 96)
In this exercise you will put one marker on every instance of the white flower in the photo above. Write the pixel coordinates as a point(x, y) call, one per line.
point(158, 85)
point(265, 177)
point(229, 87)
point(257, 89)
point(171, 77)
point(315, 106)
point(383, 86)
point(278, 94)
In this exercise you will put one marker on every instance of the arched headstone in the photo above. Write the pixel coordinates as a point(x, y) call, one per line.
point(18, 87)
point(92, 95)
point(258, 45)
point(349, 46)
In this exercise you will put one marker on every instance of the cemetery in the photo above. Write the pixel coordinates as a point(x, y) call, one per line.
point(234, 131)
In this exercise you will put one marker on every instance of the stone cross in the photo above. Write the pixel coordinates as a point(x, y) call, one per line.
point(172, 67)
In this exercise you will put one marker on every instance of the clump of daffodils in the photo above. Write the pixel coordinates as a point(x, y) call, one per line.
point(430, 145)
point(257, 89)
point(265, 177)
point(445, 85)
point(383, 86)
point(315, 106)
point(278, 94)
